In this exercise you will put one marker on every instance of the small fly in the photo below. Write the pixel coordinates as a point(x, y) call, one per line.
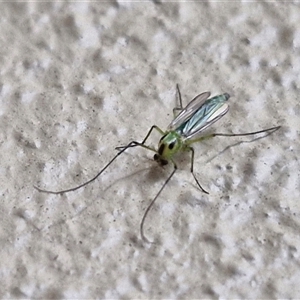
point(183, 131)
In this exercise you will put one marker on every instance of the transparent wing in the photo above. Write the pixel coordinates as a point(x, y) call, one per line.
point(189, 110)
point(211, 111)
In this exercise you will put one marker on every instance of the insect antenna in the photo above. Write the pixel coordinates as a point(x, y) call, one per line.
point(151, 204)
point(94, 178)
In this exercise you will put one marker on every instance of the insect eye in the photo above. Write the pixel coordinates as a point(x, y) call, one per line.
point(171, 146)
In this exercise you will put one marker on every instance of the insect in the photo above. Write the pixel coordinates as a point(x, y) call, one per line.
point(183, 131)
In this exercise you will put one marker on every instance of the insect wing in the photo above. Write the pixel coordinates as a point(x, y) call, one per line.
point(211, 111)
point(189, 110)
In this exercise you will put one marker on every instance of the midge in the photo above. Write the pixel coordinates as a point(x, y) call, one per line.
point(199, 114)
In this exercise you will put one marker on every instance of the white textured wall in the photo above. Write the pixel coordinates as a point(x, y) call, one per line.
point(79, 79)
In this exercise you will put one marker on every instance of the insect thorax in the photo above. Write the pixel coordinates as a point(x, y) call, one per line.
point(168, 146)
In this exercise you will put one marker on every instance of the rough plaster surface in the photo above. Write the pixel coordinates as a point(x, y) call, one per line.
point(79, 79)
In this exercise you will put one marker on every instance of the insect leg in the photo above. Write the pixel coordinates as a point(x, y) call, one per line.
point(180, 101)
point(192, 170)
point(152, 202)
point(270, 130)
point(95, 177)
point(120, 148)
point(200, 139)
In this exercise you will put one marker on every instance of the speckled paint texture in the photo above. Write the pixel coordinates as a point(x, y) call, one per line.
point(77, 80)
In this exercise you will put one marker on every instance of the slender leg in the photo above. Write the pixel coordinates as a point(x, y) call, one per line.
point(200, 139)
point(95, 177)
point(175, 109)
point(179, 96)
point(192, 170)
point(180, 101)
point(270, 130)
point(120, 148)
point(152, 202)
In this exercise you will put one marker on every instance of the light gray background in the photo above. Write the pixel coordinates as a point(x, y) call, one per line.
point(79, 79)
